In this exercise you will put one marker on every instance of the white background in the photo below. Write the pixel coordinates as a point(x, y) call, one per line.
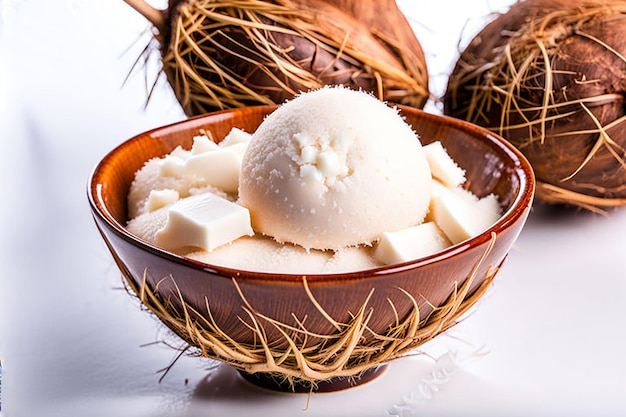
point(547, 340)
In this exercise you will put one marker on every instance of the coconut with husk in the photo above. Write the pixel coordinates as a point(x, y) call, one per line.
point(220, 54)
point(550, 76)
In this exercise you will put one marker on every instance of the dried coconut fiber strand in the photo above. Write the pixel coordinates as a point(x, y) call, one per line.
point(225, 54)
point(350, 351)
point(550, 77)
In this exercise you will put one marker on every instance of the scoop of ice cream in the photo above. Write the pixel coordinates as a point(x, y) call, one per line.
point(334, 168)
point(207, 166)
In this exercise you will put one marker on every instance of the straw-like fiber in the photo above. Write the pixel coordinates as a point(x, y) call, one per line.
point(341, 354)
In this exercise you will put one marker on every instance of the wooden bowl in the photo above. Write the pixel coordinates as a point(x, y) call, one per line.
point(325, 331)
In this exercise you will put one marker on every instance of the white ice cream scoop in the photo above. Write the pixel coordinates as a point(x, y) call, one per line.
point(334, 168)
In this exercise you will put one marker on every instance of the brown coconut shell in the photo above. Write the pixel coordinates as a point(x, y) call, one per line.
point(225, 54)
point(550, 76)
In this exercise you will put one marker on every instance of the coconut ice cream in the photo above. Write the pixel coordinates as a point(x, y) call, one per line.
point(332, 181)
point(334, 168)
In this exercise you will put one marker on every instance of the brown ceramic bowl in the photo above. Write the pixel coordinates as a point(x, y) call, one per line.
point(318, 330)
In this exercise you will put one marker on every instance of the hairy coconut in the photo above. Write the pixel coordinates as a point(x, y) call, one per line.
point(220, 54)
point(550, 76)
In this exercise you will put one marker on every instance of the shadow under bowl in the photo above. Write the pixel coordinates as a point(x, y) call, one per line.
point(300, 332)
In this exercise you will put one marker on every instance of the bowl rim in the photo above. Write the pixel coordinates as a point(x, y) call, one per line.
point(522, 201)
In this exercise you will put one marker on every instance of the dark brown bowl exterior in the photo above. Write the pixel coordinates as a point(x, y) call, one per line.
point(492, 166)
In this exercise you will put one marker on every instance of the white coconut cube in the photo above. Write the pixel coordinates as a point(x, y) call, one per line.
point(411, 243)
point(204, 221)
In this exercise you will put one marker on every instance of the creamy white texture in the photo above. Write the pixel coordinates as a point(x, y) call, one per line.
point(332, 183)
point(204, 221)
point(411, 243)
point(442, 166)
point(334, 168)
point(207, 166)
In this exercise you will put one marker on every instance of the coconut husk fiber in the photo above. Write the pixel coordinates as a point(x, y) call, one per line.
point(349, 352)
point(550, 77)
point(220, 54)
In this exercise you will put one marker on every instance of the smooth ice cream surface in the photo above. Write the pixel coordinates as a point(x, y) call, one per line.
point(333, 181)
point(334, 168)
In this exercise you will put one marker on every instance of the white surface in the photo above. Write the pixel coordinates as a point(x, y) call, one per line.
point(547, 340)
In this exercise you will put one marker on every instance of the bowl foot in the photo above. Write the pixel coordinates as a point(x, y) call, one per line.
point(274, 383)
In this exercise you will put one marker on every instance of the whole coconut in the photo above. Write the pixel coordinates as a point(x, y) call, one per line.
point(550, 76)
point(220, 54)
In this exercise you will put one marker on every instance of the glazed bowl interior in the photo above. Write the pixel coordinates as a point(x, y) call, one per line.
point(285, 311)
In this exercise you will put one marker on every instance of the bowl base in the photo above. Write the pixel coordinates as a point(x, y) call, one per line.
point(330, 385)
